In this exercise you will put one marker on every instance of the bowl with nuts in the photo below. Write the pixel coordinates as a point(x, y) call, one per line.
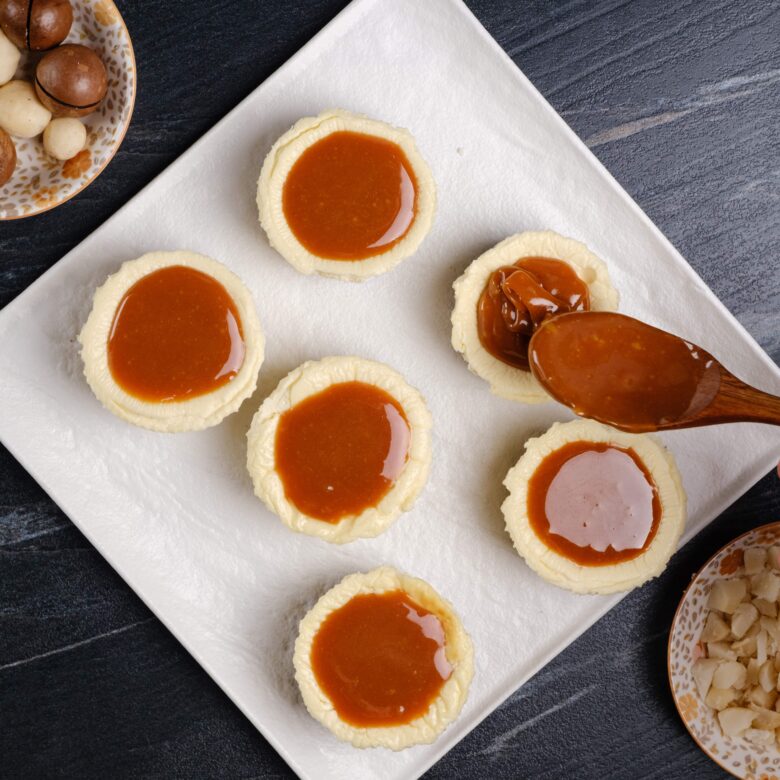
point(67, 90)
point(724, 655)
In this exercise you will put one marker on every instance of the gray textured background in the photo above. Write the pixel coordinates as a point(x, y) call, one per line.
point(681, 101)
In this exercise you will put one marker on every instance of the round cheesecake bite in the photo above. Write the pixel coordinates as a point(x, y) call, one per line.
point(343, 195)
point(595, 510)
point(340, 448)
point(173, 342)
point(508, 291)
point(383, 661)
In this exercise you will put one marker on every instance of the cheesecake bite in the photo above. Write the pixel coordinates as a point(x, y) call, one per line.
point(346, 196)
point(173, 342)
point(340, 448)
point(507, 292)
point(383, 661)
point(595, 510)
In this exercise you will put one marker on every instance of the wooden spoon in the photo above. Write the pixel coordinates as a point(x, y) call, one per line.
point(637, 378)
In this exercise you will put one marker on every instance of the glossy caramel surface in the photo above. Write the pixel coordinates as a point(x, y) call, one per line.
point(176, 334)
point(380, 659)
point(350, 196)
point(339, 452)
point(619, 370)
point(518, 298)
point(539, 485)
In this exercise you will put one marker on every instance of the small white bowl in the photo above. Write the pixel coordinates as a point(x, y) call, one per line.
point(40, 182)
point(737, 756)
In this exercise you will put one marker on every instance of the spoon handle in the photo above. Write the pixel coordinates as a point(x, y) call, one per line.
point(739, 402)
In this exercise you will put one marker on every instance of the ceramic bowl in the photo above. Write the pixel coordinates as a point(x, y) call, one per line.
point(40, 182)
point(734, 754)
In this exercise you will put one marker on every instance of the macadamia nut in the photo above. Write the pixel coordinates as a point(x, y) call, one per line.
point(64, 138)
point(71, 80)
point(21, 113)
point(7, 157)
point(37, 25)
point(9, 59)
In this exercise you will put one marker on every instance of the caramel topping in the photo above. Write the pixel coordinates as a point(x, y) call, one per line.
point(619, 370)
point(176, 334)
point(350, 196)
point(339, 452)
point(518, 298)
point(380, 659)
point(594, 503)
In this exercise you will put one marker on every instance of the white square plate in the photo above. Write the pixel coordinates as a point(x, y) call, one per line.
point(175, 514)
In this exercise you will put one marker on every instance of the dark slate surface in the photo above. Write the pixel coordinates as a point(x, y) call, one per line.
point(681, 101)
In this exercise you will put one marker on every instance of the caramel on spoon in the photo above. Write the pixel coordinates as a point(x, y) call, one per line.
point(638, 378)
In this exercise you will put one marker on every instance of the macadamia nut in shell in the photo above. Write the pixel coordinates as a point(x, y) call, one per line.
point(21, 113)
point(71, 80)
point(7, 157)
point(64, 138)
point(37, 25)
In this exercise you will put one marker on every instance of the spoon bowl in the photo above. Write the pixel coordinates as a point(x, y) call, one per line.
point(637, 378)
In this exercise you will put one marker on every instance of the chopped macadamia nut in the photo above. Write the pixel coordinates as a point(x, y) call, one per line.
point(761, 698)
point(739, 677)
point(765, 718)
point(721, 651)
point(761, 647)
point(735, 720)
point(745, 648)
point(703, 672)
point(755, 560)
point(770, 626)
point(743, 618)
point(715, 629)
point(765, 585)
point(730, 674)
point(767, 676)
point(719, 698)
point(752, 671)
point(759, 736)
point(726, 595)
point(768, 608)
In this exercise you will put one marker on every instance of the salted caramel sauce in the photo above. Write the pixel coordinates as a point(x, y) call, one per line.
point(518, 298)
point(339, 452)
point(594, 503)
point(176, 334)
point(380, 659)
point(621, 371)
point(350, 196)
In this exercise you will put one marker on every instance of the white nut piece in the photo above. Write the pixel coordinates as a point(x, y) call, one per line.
point(715, 629)
point(9, 59)
point(21, 113)
point(726, 595)
point(721, 651)
point(758, 697)
point(703, 672)
point(730, 674)
point(765, 718)
point(735, 720)
point(720, 698)
point(64, 137)
point(760, 737)
point(766, 585)
point(755, 560)
point(745, 615)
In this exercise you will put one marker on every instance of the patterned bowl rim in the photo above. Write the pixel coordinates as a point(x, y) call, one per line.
point(117, 143)
point(774, 526)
